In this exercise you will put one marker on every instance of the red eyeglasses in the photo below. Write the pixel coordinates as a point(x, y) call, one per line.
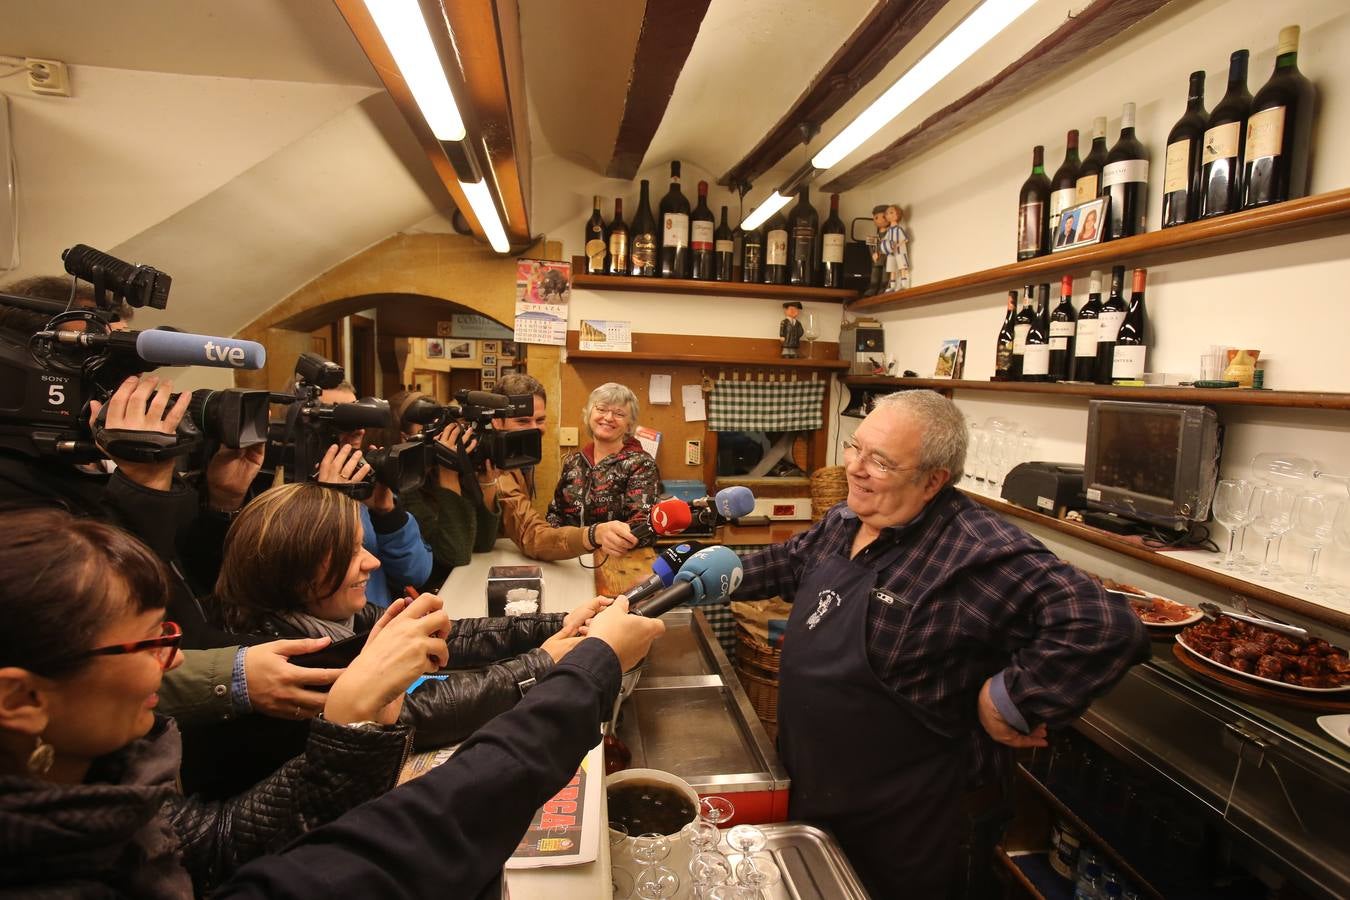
point(164, 647)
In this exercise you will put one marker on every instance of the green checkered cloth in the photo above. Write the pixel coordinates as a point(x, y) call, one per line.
point(766, 406)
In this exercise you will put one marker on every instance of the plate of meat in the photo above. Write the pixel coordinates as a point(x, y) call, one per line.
point(1265, 656)
point(1155, 611)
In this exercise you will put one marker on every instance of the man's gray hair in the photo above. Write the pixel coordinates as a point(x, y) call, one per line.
point(611, 393)
point(944, 429)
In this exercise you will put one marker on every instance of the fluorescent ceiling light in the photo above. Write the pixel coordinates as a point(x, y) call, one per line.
point(405, 32)
point(762, 212)
point(977, 30)
point(480, 201)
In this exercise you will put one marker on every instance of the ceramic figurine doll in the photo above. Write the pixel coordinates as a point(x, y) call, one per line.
point(895, 245)
point(790, 330)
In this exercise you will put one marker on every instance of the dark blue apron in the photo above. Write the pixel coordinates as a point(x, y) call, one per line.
point(862, 763)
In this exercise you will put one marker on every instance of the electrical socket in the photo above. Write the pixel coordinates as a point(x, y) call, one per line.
point(567, 437)
point(48, 76)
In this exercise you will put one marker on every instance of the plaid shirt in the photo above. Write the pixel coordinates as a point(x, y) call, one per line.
point(970, 595)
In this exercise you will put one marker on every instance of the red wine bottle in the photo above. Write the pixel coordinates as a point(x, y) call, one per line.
point(1026, 314)
point(803, 229)
point(1181, 172)
point(832, 236)
point(596, 240)
point(1003, 353)
point(1127, 363)
point(1125, 181)
point(724, 249)
point(1033, 210)
point(1279, 131)
point(752, 257)
point(1090, 172)
point(674, 228)
point(1225, 139)
point(1062, 326)
point(1085, 336)
point(1108, 326)
point(618, 242)
point(776, 249)
point(1036, 353)
point(643, 256)
point(1064, 184)
point(701, 231)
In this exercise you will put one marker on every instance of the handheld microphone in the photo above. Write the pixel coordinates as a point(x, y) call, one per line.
point(728, 504)
point(664, 569)
point(667, 517)
point(178, 348)
point(710, 575)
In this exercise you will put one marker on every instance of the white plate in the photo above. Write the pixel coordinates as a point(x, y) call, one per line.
point(1194, 617)
point(1336, 726)
point(1250, 677)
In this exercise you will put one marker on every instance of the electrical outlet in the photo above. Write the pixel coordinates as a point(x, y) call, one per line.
point(693, 453)
point(48, 76)
point(567, 437)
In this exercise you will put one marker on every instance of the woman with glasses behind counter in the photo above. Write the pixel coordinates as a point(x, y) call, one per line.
point(612, 478)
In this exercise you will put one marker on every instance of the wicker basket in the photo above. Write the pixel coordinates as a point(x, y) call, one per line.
point(754, 655)
point(763, 694)
point(828, 487)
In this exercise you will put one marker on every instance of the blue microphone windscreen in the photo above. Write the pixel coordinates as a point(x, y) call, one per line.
point(663, 570)
point(714, 573)
point(735, 501)
point(177, 348)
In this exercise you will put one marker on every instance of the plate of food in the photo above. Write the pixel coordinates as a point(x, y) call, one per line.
point(1336, 726)
point(1268, 657)
point(1155, 611)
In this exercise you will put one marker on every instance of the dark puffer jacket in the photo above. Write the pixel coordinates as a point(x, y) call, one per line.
point(620, 487)
point(128, 831)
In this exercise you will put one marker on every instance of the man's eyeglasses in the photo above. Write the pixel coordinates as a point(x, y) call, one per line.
point(164, 647)
point(617, 412)
point(875, 465)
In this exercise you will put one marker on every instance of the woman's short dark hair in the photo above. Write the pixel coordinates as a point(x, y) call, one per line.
point(289, 546)
point(62, 579)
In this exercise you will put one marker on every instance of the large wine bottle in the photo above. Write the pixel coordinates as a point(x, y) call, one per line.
point(1108, 326)
point(776, 249)
point(1090, 172)
point(832, 235)
point(1004, 348)
point(1125, 181)
point(596, 240)
point(803, 229)
point(643, 258)
point(1279, 131)
point(674, 228)
point(737, 253)
point(1064, 184)
point(1033, 210)
point(701, 228)
point(1036, 353)
point(1128, 359)
point(1085, 336)
point(1225, 138)
point(752, 257)
point(618, 242)
point(724, 249)
point(1026, 314)
point(1181, 172)
point(1062, 326)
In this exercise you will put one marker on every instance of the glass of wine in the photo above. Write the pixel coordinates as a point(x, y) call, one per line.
point(1271, 516)
point(1232, 502)
point(810, 334)
point(1314, 515)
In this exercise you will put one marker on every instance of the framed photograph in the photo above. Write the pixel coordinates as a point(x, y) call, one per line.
point(461, 350)
point(488, 384)
point(489, 359)
point(491, 346)
point(951, 360)
point(490, 372)
point(1080, 225)
point(509, 349)
point(435, 348)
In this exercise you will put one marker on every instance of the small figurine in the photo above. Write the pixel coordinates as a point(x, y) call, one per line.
point(895, 244)
point(878, 258)
point(790, 331)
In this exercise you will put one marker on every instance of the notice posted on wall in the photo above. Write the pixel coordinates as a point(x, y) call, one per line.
point(605, 334)
point(543, 291)
point(566, 830)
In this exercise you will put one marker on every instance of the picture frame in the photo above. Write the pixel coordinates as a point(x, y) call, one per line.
point(489, 372)
point(489, 359)
point(488, 384)
point(461, 350)
point(1080, 226)
point(951, 359)
point(509, 349)
point(490, 347)
point(435, 348)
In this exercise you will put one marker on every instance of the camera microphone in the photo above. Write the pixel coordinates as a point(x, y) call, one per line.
point(709, 576)
point(485, 399)
point(138, 285)
point(164, 347)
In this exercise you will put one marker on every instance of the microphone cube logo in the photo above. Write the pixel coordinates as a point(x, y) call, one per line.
point(233, 356)
point(660, 518)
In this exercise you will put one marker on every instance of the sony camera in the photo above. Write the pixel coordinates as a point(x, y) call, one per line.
point(475, 411)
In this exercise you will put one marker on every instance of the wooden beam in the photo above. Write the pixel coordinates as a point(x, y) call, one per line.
point(1089, 31)
point(886, 30)
point(669, 28)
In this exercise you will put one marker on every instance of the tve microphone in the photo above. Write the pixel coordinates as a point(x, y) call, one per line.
point(178, 348)
point(664, 568)
point(734, 502)
point(710, 575)
point(667, 517)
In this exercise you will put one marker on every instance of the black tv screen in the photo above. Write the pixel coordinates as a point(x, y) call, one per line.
point(1138, 451)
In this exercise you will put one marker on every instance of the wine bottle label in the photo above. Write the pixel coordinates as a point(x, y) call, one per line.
point(675, 232)
point(1176, 174)
point(775, 248)
point(1221, 142)
point(701, 235)
point(1124, 172)
point(1108, 326)
point(643, 256)
point(1020, 338)
point(1060, 332)
point(1061, 200)
point(618, 247)
point(724, 246)
point(1127, 361)
point(595, 253)
point(1085, 338)
point(1087, 188)
point(753, 259)
point(1265, 133)
point(1036, 359)
point(832, 248)
point(1029, 226)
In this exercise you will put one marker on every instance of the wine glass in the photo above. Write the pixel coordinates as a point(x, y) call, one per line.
point(706, 869)
point(702, 835)
point(650, 848)
point(757, 870)
point(733, 892)
point(810, 334)
point(1313, 517)
point(1232, 501)
point(657, 882)
point(1271, 516)
point(715, 810)
point(1285, 469)
point(621, 883)
point(747, 839)
point(1341, 527)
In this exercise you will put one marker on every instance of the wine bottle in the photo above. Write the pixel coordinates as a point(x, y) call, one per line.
point(1026, 314)
point(1085, 336)
point(1127, 360)
point(1181, 172)
point(1064, 185)
point(596, 240)
point(1125, 181)
point(1279, 131)
point(701, 231)
point(674, 228)
point(643, 258)
point(1036, 353)
point(1108, 326)
point(618, 242)
point(1003, 353)
point(803, 228)
point(1225, 138)
point(724, 249)
point(1033, 209)
point(1062, 326)
point(737, 254)
point(1090, 172)
point(776, 249)
point(832, 247)
point(752, 263)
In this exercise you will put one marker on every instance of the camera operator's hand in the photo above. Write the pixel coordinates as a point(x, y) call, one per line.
point(407, 641)
point(278, 688)
point(381, 499)
point(447, 476)
point(342, 464)
point(141, 403)
point(229, 475)
point(628, 636)
point(615, 538)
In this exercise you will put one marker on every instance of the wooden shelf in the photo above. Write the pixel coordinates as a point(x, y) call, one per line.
point(674, 359)
point(1169, 394)
point(730, 290)
point(1274, 224)
point(695, 350)
point(1110, 541)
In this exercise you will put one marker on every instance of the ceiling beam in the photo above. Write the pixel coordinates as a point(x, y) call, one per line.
point(887, 29)
point(669, 28)
point(1058, 53)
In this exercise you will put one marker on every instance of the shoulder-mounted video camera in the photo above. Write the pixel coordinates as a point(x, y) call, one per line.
point(475, 411)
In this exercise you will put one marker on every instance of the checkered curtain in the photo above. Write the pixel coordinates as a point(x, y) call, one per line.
point(766, 406)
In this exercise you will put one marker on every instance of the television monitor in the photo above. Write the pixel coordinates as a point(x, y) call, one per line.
point(1155, 463)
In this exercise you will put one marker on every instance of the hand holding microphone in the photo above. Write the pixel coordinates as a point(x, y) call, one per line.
point(710, 576)
point(667, 517)
point(664, 568)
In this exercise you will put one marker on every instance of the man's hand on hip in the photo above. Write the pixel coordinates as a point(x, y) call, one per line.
point(998, 727)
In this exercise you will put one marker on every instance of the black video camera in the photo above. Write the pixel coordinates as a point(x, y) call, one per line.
point(475, 411)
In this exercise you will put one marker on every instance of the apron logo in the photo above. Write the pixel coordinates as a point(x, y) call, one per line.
point(825, 601)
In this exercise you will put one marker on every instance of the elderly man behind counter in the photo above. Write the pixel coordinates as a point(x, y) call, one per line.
point(927, 632)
